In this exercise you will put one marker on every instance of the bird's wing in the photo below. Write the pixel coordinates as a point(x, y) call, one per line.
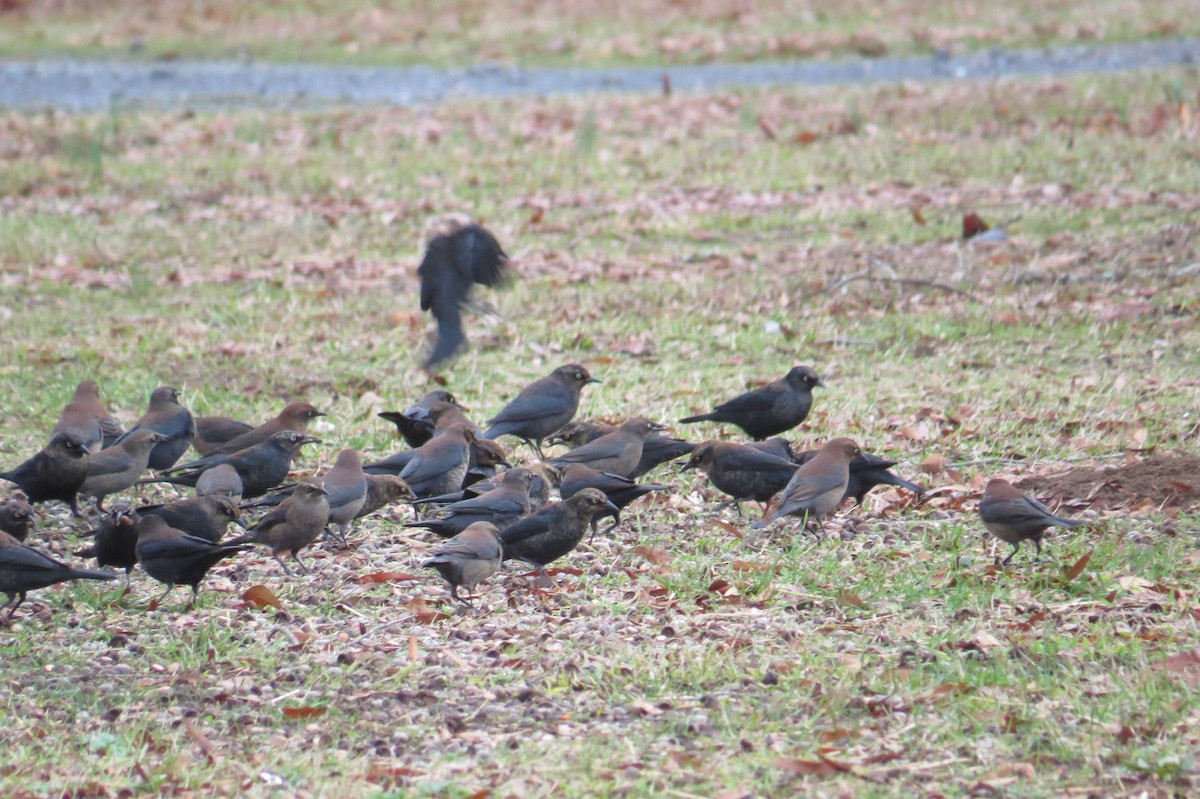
point(463, 549)
point(175, 547)
point(478, 256)
point(805, 488)
point(544, 401)
point(444, 289)
point(102, 466)
point(602, 448)
point(752, 460)
point(528, 527)
point(26, 558)
point(751, 402)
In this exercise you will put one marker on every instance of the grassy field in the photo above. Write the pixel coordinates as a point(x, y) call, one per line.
point(682, 248)
point(463, 32)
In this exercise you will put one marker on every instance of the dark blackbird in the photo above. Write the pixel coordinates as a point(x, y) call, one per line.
point(16, 515)
point(453, 263)
point(618, 452)
point(166, 417)
point(23, 569)
point(742, 471)
point(206, 517)
point(295, 418)
point(866, 472)
point(86, 417)
point(115, 540)
point(501, 506)
point(415, 425)
point(468, 558)
point(118, 467)
point(443, 415)
point(57, 471)
point(174, 558)
point(779, 447)
point(768, 411)
point(383, 490)
point(544, 477)
point(817, 487)
point(656, 450)
point(1013, 516)
point(213, 431)
point(556, 529)
point(621, 491)
point(297, 522)
point(542, 407)
point(439, 465)
point(222, 480)
point(261, 467)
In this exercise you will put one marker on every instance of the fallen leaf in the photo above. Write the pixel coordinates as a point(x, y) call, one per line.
point(655, 554)
point(304, 712)
point(1079, 566)
point(261, 597)
point(389, 577)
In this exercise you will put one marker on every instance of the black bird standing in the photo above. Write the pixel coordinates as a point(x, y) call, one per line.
point(261, 467)
point(114, 541)
point(542, 407)
point(468, 558)
point(768, 411)
point(453, 263)
point(56, 472)
point(166, 417)
point(502, 506)
point(416, 425)
point(656, 450)
point(174, 558)
point(556, 529)
point(16, 515)
point(23, 569)
point(206, 517)
point(621, 491)
point(618, 452)
point(742, 471)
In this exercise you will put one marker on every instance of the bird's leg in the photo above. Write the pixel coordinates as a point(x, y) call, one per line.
point(158, 600)
point(1016, 548)
point(286, 570)
point(536, 446)
point(14, 603)
point(195, 596)
point(300, 563)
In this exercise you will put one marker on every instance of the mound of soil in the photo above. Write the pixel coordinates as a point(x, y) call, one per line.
point(1165, 481)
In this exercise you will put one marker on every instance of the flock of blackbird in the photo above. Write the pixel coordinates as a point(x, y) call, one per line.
point(452, 466)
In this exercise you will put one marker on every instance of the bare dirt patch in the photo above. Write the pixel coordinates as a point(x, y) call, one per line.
point(1160, 481)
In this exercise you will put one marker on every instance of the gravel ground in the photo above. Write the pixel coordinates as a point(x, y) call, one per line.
point(74, 85)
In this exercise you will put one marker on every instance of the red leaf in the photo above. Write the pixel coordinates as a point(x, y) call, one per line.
point(261, 597)
point(1079, 566)
point(304, 712)
point(654, 554)
point(389, 577)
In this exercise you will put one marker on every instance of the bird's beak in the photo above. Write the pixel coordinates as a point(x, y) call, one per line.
point(310, 439)
point(593, 380)
point(321, 413)
point(505, 464)
point(658, 426)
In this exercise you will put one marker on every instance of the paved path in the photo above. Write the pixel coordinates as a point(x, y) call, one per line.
point(98, 85)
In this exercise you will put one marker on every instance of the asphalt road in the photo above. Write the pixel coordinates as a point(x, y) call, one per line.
point(72, 85)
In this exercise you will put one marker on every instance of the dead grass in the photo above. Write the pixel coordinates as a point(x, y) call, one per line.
point(648, 31)
point(252, 258)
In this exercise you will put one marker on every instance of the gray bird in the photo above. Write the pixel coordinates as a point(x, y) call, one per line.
point(502, 506)
point(816, 489)
point(1013, 517)
point(118, 467)
point(383, 490)
point(468, 558)
point(439, 465)
point(618, 452)
point(222, 481)
point(542, 407)
point(166, 417)
point(346, 487)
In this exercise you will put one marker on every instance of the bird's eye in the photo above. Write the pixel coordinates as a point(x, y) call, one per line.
point(579, 375)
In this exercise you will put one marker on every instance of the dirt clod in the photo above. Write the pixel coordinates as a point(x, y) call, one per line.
point(1167, 481)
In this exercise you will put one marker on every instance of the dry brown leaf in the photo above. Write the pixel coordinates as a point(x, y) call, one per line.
point(655, 554)
point(306, 712)
point(1079, 566)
